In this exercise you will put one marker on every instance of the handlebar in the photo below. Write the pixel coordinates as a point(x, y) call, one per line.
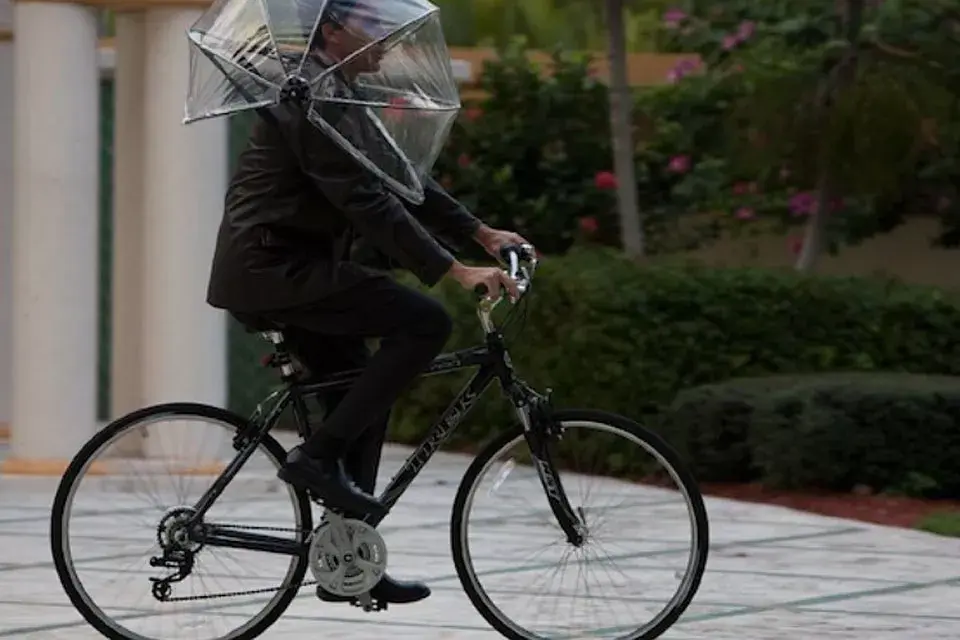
point(513, 256)
point(521, 262)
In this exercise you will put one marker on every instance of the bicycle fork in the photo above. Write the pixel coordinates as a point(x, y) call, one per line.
point(538, 428)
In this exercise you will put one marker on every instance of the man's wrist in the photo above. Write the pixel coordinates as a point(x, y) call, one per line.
point(482, 232)
point(455, 270)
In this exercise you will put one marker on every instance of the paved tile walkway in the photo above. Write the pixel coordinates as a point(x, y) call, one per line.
point(773, 573)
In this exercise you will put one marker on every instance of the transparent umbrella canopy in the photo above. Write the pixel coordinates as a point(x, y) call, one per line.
point(374, 75)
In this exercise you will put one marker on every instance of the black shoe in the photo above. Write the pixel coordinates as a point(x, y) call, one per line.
point(387, 591)
point(326, 478)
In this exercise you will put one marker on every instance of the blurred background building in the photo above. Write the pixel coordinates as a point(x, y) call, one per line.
point(64, 90)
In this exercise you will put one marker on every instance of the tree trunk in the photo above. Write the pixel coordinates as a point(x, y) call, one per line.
point(841, 77)
point(815, 236)
point(621, 129)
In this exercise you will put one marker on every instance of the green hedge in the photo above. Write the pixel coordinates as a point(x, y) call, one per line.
point(657, 343)
point(897, 433)
point(604, 332)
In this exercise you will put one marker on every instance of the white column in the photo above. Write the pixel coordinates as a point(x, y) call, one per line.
point(56, 152)
point(184, 339)
point(127, 295)
point(126, 366)
point(6, 215)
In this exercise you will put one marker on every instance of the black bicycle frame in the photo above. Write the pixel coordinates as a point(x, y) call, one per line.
point(492, 362)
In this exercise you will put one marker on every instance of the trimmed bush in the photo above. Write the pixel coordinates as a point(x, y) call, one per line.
point(729, 364)
point(710, 426)
point(895, 433)
point(604, 332)
point(892, 432)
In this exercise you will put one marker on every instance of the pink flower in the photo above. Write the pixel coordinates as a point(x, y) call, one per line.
point(589, 225)
point(682, 69)
point(605, 180)
point(464, 161)
point(473, 113)
point(742, 188)
point(679, 164)
point(673, 17)
point(803, 204)
point(730, 42)
point(746, 30)
point(745, 213)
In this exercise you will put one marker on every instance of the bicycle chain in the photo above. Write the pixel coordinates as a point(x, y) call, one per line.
point(234, 594)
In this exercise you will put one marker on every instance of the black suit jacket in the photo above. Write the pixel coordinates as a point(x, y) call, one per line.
point(293, 209)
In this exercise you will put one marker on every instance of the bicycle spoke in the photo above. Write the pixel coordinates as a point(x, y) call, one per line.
point(570, 591)
point(117, 589)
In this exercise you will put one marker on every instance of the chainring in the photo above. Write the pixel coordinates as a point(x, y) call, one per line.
point(347, 557)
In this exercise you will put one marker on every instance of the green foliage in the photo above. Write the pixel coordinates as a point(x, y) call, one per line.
point(737, 368)
point(545, 24)
point(532, 155)
point(944, 523)
point(889, 89)
point(526, 157)
point(893, 432)
point(605, 332)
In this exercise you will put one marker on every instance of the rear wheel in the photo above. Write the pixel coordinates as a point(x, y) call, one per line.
point(646, 534)
point(141, 480)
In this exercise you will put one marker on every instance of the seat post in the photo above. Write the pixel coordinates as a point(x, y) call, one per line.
point(281, 358)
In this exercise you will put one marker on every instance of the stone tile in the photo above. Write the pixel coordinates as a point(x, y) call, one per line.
point(780, 623)
point(915, 601)
point(773, 573)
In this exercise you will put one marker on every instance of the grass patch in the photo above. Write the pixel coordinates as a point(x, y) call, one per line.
point(944, 523)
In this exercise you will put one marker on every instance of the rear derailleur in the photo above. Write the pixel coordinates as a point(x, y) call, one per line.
point(178, 559)
point(179, 548)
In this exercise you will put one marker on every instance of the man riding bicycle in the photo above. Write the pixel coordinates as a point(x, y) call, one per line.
point(295, 205)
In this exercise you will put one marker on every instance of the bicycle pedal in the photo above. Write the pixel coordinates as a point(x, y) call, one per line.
point(370, 606)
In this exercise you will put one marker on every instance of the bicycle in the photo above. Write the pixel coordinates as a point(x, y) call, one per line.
point(348, 556)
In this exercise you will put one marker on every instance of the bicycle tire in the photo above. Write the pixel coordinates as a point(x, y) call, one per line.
point(93, 446)
point(458, 526)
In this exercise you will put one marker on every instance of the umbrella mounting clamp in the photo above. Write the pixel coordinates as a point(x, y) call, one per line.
point(295, 88)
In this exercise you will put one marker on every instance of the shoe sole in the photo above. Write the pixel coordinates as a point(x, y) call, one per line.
point(303, 483)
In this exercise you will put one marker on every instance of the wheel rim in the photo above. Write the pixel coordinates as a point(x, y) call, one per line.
point(197, 478)
point(514, 598)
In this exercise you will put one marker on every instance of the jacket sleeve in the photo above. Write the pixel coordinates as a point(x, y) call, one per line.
point(375, 212)
point(444, 215)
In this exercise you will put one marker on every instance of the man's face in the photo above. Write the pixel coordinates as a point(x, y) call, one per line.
point(344, 40)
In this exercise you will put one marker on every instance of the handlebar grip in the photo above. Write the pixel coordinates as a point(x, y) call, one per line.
point(507, 249)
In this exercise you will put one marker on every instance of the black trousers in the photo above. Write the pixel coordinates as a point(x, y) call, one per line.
point(329, 336)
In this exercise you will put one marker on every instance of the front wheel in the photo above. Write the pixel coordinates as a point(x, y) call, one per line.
point(645, 547)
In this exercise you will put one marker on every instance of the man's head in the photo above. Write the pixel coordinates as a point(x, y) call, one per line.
point(347, 26)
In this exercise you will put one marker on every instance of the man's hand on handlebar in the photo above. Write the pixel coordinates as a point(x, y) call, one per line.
point(494, 240)
point(484, 279)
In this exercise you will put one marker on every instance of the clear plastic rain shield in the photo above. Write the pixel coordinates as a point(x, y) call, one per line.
point(374, 75)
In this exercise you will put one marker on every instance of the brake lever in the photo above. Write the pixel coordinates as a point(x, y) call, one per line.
point(510, 256)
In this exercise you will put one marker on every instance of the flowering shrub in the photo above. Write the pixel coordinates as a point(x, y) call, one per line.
point(773, 59)
point(734, 134)
point(535, 155)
